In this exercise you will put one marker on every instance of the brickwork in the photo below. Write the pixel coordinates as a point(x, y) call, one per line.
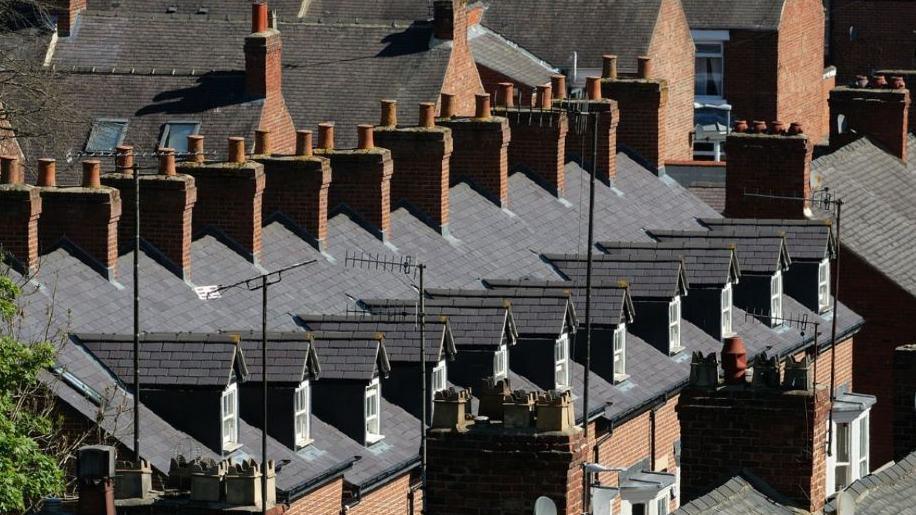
point(504, 472)
point(490, 80)
point(880, 114)
point(577, 145)
point(324, 500)
point(672, 53)
point(844, 362)
point(297, 187)
point(643, 106)
point(779, 435)
point(165, 214)
point(461, 76)
point(770, 164)
point(88, 217)
point(229, 198)
point(362, 182)
point(904, 420)
point(888, 311)
point(263, 79)
point(539, 145)
point(21, 207)
point(909, 76)
point(868, 35)
point(481, 155)
point(421, 168)
point(391, 499)
point(751, 78)
point(67, 12)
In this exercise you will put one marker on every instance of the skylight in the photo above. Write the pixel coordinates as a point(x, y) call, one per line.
point(106, 134)
point(175, 135)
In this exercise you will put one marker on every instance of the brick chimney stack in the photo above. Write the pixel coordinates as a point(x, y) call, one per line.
point(21, 206)
point(451, 20)
point(768, 161)
point(421, 157)
point(879, 110)
point(481, 151)
point(264, 78)
point(229, 197)
point(581, 145)
point(643, 104)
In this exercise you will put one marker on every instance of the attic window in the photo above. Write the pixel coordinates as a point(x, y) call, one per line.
point(106, 134)
point(674, 325)
point(175, 135)
point(561, 362)
point(727, 310)
point(230, 416)
point(500, 363)
point(301, 413)
point(620, 352)
point(373, 403)
point(776, 299)
point(439, 377)
point(823, 285)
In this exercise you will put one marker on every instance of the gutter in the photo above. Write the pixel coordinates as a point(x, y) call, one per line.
point(386, 476)
point(297, 493)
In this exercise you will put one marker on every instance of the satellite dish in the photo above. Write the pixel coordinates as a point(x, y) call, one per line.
point(545, 506)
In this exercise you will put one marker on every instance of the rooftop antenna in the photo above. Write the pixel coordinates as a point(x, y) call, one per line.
point(405, 265)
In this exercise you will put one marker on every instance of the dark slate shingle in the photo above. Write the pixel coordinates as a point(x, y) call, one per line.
point(763, 15)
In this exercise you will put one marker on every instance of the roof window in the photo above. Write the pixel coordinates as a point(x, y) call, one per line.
point(106, 134)
point(175, 135)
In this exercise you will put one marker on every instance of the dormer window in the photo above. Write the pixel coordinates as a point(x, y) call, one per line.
point(776, 299)
point(620, 352)
point(823, 286)
point(175, 135)
point(439, 378)
point(561, 362)
point(727, 310)
point(230, 416)
point(302, 412)
point(501, 363)
point(674, 325)
point(373, 416)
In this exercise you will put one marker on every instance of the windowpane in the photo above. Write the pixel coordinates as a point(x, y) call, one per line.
point(661, 506)
point(620, 345)
point(302, 412)
point(823, 285)
point(708, 78)
point(776, 299)
point(863, 446)
point(230, 415)
point(500, 364)
point(106, 135)
point(674, 324)
point(842, 442)
point(372, 409)
point(727, 310)
point(175, 135)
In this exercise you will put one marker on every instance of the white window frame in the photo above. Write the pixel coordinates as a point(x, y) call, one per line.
point(229, 416)
point(858, 454)
point(501, 363)
point(167, 133)
point(823, 285)
point(439, 378)
point(302, 412)
point(650, 506)
point(776, 299)
point(674, 325)
point(716, 154)
point(863, 440)
point(711, 99)
point(620, 352)
point(727, 301)
point(372, 411)
point(561, 362)
point(122, 124)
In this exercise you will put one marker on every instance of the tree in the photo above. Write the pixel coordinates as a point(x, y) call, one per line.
point(29, 469)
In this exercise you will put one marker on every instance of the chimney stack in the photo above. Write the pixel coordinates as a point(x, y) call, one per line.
point(421, 157)
point(67, 12)
point(21, 206)
point(879, 111)
point(771, 164)
point(608, 119)
point(229, 197)
point(362, 179)
point(264, 78)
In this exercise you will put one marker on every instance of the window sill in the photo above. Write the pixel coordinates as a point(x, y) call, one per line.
point(619, 378)
point(373, 439)
point(304, 443)
point(674, 351)
point(231, 447)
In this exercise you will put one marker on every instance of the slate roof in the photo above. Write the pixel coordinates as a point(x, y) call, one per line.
point(611, 302)
point(879, 216)
point(554, 29)
point(647, 278)
point(891, 490)
point(536, 313)
point(170, 359)
point(498, 53)
point(351, 355)
point(364, 10)
point(401, 334)
point(807, 240)
point(731, 14)
point(291, 355)
point(737, 496)
point(706, 265)
point(216, 9)
point(758, 253)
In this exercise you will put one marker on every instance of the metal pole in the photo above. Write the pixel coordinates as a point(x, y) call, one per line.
point(424, 400)
point(264, 392)
point(588, 292)
point(136, 170)
point(836, 295)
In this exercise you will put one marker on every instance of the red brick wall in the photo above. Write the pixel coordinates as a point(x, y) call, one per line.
point(490, 80)
point(298, 188)
point(888, 311)
point(326, 500)
point(844, 362)
point(576, 144)
point(264, 79)
point(390, 499)
point(800, 67)
point(21, 205)
point(461, 76)
point(884, 36)
point(539, 145)
point(904, 391)
point(770, 165)
point(751, 60)
point(643, 107)
point(672, 53)
point(361, 179)
point(88, 218)
point(481, 155)
point(881, 114)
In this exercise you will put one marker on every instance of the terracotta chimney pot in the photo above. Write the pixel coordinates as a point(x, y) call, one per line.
point(734, 360)
point(47, 172)
point(447, 109)
point(609, 67)
point(740, 126)
point(389, 113)
point(167, 162)
point(262, 142)
point(196, 148)
point(326, 135)
point(259, 17)
point(482, 106)
point(777, 127)
point(124, 159)
point(644, 67)
point(365, 135)
point(862, 81)
point(558, 86)
point(9, 170)
point(760, 127)
point(878, 81)
point(504, 94)
point(92, 174)
point(796, 128)
point(544, 98)
point(304, 143)
point(427, 114)
point(593, 87)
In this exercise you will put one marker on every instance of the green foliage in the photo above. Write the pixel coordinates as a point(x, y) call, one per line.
point(27, 470)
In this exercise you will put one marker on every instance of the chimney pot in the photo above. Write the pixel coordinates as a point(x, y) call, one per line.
point(389, 113)
point(740, 126)
point(447, 109)
point(304, 143)
point(482, 105)
point(544, 96)
point(427, 114)
point(258, 17)
point(734, 360)
point(47, 173)
point(760, 127)
point(777, 127)
point(326, 135)
point(92, 174)
point(593, 87)
point(609, 68)
point(504, 94)
point(862, 81)
point(9, 170)
point(124, 159)
point(262, 142)
point(196, 148)
point(236, 149)
point(644, 67)
point(167, 161)
point(897, 82)
point(796, 128)
point(558, 86)
point(366, 136)
point(878, 81)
